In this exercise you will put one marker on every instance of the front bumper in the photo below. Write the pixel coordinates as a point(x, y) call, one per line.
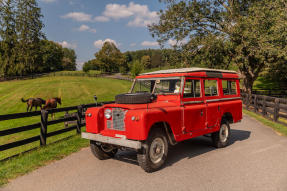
point(113, 141)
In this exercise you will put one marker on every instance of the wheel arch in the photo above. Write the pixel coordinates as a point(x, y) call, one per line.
point(227, 116)
point(165, 126)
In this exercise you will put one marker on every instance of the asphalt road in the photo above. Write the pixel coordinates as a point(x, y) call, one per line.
point(255, 160)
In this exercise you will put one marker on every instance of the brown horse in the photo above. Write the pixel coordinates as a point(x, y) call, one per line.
point(52, 104)
point(33, 102)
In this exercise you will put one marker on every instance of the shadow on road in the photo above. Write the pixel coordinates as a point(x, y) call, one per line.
point(186, 149)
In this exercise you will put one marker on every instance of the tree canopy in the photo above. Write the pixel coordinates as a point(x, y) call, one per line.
point(248, 33)
point(23, 46)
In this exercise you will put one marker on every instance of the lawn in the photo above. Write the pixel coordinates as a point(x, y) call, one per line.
point(73, 90)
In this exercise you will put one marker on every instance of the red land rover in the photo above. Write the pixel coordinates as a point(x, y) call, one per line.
point(164, 108)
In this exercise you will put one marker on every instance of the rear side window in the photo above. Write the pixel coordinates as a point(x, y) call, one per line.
point(192, 88)
point(229, 87)
point(210, 88)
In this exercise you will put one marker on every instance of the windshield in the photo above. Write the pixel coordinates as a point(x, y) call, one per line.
point(157, 86)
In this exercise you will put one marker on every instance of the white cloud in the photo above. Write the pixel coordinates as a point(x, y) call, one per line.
point(133, 44)
point(102, 19)
point(48, 1)
point(79, 65)
point(86, 28)
point(66, 44)
point(99, 43)
point(117, 11)
point(93, 30)
point(149, 43)
point(173, 42)
point(140, 14)
point(78, 16)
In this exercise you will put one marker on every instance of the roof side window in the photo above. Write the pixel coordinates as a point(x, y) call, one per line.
point(210, 88)
point(229, 87)
point(192, 88)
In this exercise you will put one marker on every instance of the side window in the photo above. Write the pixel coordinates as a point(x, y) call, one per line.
point(167, 86)
point(229, 87)
point(192, 88)
point(210, 88)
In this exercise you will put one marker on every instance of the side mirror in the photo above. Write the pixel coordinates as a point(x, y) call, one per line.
point(96, 98)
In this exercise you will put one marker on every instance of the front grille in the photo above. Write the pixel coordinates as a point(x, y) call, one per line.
point(117, 122)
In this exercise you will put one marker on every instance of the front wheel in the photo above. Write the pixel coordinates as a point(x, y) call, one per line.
point(102, 151)
point(154, 153)
point(221, 138)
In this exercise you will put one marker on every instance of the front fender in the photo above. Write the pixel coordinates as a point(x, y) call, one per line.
point(139, 128)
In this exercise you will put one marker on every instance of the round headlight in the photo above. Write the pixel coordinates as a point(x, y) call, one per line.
point(108, 113)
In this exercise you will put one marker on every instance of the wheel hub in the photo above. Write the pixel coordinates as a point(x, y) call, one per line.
point(223, 134)
point(156, 150)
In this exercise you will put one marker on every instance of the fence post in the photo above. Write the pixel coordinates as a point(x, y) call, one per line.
point(43, 132)
point(264, 106)
point(79, 118)
point(248, 97)
point(255, 104)
point(276, 110)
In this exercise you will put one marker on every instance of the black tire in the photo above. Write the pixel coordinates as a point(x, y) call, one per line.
point(134, 98)
point(98, 151)
point(221, 141)
point(144, 156)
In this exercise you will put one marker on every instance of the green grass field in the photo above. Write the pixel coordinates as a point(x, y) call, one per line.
point(73, 90)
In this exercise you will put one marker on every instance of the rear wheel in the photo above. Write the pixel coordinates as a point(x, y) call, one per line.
point(221, 138)
point(102, 151)
point(153, 156)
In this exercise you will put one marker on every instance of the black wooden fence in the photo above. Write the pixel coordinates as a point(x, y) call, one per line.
point(270, 107)
point(280, 93)
point(77, 116)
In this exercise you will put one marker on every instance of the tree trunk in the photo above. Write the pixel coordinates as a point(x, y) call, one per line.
point(248, 82)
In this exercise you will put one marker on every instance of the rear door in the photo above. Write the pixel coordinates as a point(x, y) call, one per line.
point(194, 112)
point(212, 99)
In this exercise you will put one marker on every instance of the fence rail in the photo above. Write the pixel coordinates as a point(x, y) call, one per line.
point(280, 93)
point(78, 116)
point(270, 107)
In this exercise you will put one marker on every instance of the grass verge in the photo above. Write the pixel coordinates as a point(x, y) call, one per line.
point(32, 160)
point(281, 129)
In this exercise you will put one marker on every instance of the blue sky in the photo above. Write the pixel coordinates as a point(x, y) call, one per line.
point(85, 24)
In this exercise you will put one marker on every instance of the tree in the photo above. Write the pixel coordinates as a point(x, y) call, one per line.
point(146, 61)
point(91, 65)
point(110, 57)
point(251, 32)
point(29, 28)
point(137, 68)
point(9, 38)
point(69, 59)
point(51, 54)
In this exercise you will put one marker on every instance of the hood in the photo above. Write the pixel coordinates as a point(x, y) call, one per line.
point(155, 104)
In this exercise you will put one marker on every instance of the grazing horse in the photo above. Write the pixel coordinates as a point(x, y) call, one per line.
point(52, 104)
point(33, 102)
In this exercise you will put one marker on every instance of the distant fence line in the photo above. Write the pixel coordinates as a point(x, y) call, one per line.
point(43, 124)
point(269, 107)
point(67, 73)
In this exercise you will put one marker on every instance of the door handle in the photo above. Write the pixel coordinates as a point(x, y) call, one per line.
point(201, 113)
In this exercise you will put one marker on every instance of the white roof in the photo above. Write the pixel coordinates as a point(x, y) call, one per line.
point(186, 70)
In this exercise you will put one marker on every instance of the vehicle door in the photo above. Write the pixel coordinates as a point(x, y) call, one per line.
point(194, 112)
point(211, 94)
